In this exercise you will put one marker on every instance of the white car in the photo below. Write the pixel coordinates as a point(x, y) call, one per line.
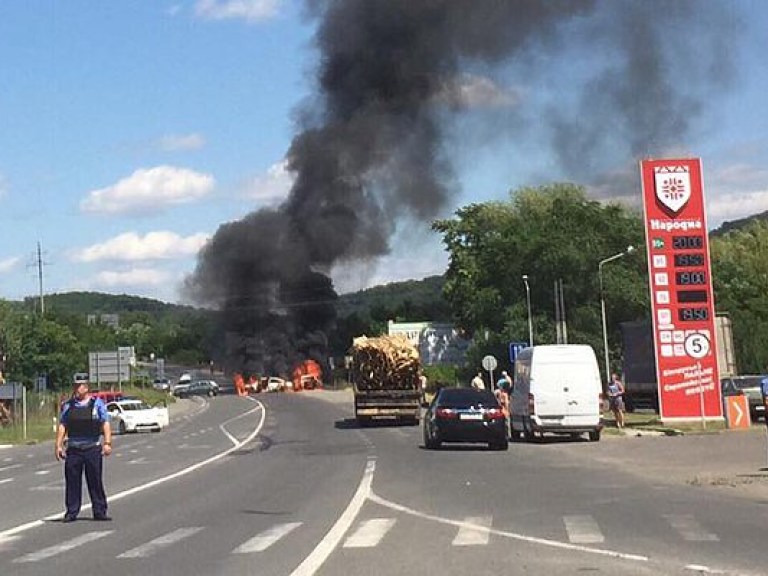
point(134, 415)
point(275, 384)
point(162, 384)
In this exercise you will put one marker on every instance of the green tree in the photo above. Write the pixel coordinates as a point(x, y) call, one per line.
point(46, 347)
point(740, 278)
point(548, 233)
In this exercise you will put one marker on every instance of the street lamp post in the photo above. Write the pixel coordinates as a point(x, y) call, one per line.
point(528, 300)
point(629, 250)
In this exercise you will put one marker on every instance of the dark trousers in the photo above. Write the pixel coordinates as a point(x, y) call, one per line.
point(90, 460)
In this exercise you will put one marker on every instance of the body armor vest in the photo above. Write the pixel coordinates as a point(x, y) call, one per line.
point(83, 421)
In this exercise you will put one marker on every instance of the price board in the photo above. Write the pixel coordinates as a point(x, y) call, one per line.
point(680, 282)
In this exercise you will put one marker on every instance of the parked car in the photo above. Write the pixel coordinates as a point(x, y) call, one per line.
point(197, 388)
point(132, 415)
point(749, 385)
point(163, 384)
point(465, 415)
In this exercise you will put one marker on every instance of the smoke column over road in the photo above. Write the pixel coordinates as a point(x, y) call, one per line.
point(370, 150)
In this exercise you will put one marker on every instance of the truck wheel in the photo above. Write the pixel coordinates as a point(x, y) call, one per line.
point(594, 435)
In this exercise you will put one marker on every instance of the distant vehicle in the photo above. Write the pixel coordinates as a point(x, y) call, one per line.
point(197, 388)
point(180, 387)
point(162, 384)
point(749, 385)
point(108, 395)
point(557, 389)
point(275, 384)
point(385, 374)
point(465, 415)
point(135, 415)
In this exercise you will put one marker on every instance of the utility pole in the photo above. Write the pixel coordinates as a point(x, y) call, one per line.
point(40, 277)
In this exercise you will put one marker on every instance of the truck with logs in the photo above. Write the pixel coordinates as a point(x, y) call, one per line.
point(385, 373)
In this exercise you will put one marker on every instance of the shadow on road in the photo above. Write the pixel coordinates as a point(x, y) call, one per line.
point(353, 424)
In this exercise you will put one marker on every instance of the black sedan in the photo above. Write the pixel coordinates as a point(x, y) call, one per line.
point(465, 415)
point(198, 388)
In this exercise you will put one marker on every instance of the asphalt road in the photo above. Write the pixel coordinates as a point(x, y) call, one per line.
point(287, 484)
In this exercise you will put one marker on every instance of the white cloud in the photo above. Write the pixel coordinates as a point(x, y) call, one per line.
point(472, 91)
point(248, 10)
point(8, 264)
point(149, 190)
point(735, 206)
point(131, 246)
point(271, 188)
point(181, 142)
point(133, 278)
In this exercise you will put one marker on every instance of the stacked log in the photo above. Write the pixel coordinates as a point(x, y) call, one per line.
point(385, 363)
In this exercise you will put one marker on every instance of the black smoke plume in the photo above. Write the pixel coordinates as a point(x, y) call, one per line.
point(371, 149)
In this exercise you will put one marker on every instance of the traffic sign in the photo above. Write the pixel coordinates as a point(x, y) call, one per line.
point(490, 363)
point(737, 411)
point(514, 350)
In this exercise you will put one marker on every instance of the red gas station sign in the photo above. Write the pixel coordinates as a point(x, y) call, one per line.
point(680, 281)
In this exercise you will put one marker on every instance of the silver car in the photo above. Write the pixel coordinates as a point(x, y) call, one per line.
point(750, 386)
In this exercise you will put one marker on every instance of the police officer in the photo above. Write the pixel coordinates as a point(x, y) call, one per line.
point(83, 422)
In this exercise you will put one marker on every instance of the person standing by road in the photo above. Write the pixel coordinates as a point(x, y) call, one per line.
point(477, 382)
point(616, 399)
point(502, 392)
point(83, 422)
point(764, 391)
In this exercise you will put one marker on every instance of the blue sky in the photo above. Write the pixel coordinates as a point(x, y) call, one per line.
point(129, 131)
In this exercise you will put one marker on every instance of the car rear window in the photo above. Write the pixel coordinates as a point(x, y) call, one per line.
point(748, 382)
point(466, 397)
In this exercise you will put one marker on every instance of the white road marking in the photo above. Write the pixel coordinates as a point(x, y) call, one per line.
point(47, 487)
point(703, 569)
point(5, 542)
point(264, 540)
point(162, 542)
point(369, 533)
point(11, 467)
point(6, 480)
point(512, 535)
point(319, 555)
point(63, 547)
point(582, 529)
point(119, 496)
point(689, 528)
point(140, 460)
point(469, 535)
point(42, 472)
point(8, 459)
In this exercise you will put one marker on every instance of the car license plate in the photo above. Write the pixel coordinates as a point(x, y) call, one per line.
point(470, 416)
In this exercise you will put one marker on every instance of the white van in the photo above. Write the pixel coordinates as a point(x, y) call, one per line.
point(556, 389)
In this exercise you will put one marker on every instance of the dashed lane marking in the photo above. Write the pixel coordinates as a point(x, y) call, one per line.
point(369, 533)
point(506, 534)
point(582, 529)
point(470, 535)
point(63, 547)
point(689, 528)
point(262, 541)
point(159, 543)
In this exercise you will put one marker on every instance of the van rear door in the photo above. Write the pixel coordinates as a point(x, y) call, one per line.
point(549, 385)
point(583, 395)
